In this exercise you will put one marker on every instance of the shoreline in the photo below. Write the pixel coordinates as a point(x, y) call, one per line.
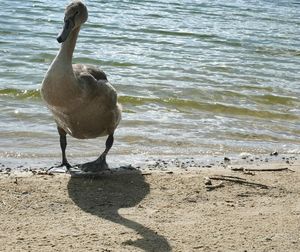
point(156, 161)
point(167, 209)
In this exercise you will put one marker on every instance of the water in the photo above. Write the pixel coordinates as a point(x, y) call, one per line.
point(195, 78)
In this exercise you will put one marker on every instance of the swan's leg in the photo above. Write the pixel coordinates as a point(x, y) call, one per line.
point(108, 145)
point(63, 146)
point(100, 163)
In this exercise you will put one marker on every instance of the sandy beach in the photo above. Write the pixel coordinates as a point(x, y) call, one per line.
point(154, 210)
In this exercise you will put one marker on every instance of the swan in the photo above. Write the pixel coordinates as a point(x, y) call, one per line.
point(83, 103)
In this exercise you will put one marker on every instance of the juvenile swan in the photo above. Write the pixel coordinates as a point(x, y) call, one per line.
point(83, 102)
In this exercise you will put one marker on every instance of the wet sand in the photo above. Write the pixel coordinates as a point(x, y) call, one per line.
point(161, 207)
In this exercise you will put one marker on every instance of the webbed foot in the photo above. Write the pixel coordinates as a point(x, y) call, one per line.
point(62, 165)
point(98, 165)
point(66, 164)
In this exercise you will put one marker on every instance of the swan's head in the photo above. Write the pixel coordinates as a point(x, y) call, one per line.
point(75, 15)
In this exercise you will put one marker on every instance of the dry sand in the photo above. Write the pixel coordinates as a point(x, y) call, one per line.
point(152, 211)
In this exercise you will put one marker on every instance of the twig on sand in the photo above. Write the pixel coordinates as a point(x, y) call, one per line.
point(211, 187)
point(230, 177)
point(261, 169)
point(238, 180)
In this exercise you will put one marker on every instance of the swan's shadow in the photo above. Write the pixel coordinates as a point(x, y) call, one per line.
point(105, 195)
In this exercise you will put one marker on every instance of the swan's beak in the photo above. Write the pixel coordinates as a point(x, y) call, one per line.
point(68, 26)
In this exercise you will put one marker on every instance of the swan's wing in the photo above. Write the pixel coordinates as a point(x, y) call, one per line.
point(95, 71)
point(94, 84)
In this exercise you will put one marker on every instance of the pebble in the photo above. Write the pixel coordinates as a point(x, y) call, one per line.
point(275, 153)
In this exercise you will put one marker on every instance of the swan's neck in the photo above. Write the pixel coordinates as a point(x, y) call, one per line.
point(65, 53)
point(60, 76)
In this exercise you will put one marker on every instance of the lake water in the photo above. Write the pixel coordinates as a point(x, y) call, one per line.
point(195, 78)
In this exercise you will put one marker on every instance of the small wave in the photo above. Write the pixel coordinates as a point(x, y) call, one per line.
point(215, 108)
point(184, 105)
point(275, 99)
point(20, 94)
point(272, 51)
point(178, 33)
